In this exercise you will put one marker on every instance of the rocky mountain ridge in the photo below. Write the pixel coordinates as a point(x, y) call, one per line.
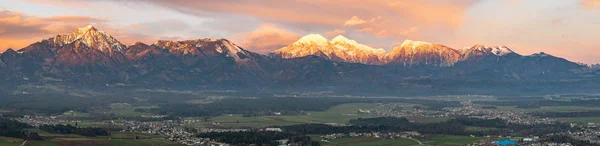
point(89, 57)
point(409, 53)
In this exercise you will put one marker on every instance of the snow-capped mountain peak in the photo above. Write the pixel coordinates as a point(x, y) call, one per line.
point(496, 50)
point(313, 38)
point(413, 44)
point(343, 39)
point(339, 49)
point(502, 50)
point(338, 40)
point(86, 28)
point(92, 38)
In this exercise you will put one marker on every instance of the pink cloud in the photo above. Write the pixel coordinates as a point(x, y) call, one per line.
point(590, 4)
point(265, 39)
point(398, 15)
point(354, 21)
point(380, 27)
point(18, 30)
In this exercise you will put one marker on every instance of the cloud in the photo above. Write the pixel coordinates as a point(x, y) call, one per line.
point(335, 32)
point(409, 31)
point(18, 30)
point(72, 18)
point(265, 39)
point(590, 4)
point(354, 21)
point(18, 25)
point(380, 27)
point(312, 14)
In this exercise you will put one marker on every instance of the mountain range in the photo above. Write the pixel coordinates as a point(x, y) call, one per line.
point(89, 57)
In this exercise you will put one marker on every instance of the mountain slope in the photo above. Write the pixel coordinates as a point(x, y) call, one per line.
point(215, 61)
point(92, 38)
point(421, 53)
point(501, 63)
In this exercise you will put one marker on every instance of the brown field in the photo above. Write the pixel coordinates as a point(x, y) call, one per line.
point(10, 139)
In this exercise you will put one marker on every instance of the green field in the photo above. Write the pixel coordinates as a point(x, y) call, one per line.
point(582, 120)
point(474, 128)
point(86, 124)
point(341, 114)
point(149, 142)
point(450, 140)
point(550, 108)
point(7, 143)
point(116, 139)
point(117, 111)
point(445, 140)
point(4, 111)
point(130, 111)
point(338, 114)
point(75, 114)
point(101, 142)
point(370, 141)
point(130, 135)
point(41, 143)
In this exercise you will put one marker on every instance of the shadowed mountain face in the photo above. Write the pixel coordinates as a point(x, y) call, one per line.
point(91, 57)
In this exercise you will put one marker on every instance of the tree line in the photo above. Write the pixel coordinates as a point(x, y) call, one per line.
point(12, 128)
point(256, 137)
point(457, 126)
point(68, 129)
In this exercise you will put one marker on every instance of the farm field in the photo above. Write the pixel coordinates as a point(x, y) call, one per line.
point(341, 114)
point(7, 141)
point(581, 120)
point(101, 142)
point(445, 140)
point(369, 141)
point(337, 114)
point(450, 140)
point(550, 108)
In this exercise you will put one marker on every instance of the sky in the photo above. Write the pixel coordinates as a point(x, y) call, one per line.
point(564, 28)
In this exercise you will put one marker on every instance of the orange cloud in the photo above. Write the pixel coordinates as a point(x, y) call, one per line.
point(308, 14)
point(265, 39)
point(449, 13)
point(72, 18)
point(590, 4)
point(335, 32)
point(380, 28)
point(18, 25)
point(18, 30)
